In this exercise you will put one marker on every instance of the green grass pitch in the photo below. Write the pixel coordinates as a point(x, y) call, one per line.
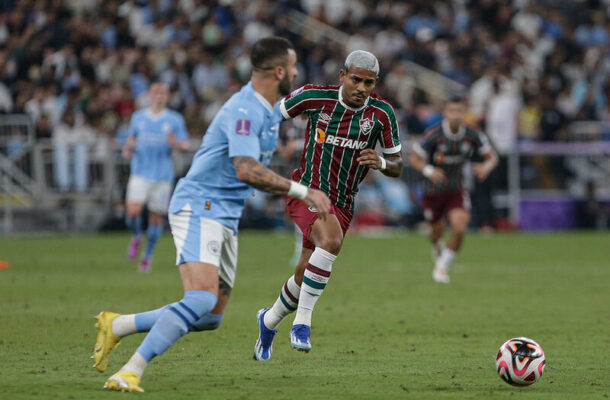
point(382, 329)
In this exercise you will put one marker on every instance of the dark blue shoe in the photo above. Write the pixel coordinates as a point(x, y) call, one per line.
point(299, 337)
point(264, 344)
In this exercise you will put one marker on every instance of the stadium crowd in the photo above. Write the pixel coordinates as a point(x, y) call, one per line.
point(80, 68)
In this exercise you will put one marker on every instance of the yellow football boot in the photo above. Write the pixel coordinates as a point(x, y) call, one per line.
point(124, 382)
point(106, 340)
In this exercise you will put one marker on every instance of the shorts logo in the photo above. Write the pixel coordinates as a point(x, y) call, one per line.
point(243, 127)
point(320, 135)
point(214, 247)
point(312, 209)
point(208, 205)
point(428, 214)
point(366, 125)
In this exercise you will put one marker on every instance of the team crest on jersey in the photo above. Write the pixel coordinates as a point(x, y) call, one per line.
point(166, 127)
point(366, 125)
point(320, 135)
point(465, 147)
point(439, 158)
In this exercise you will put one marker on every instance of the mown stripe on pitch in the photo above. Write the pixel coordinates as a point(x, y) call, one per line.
point(313, 284)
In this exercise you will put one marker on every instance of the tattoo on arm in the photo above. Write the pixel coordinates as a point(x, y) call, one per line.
point(224, 288)
point(258, 176)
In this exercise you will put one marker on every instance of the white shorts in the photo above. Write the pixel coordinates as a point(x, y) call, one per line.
point(199, 239)
point(154, 194)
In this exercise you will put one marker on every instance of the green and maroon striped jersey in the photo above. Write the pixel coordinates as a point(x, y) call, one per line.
point(336, 133)
point(450, 151)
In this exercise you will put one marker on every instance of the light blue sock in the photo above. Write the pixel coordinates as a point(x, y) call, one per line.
point(153, 233)
point(208, 322)
point(146, 320)
point(175, 321)
point(134, 224)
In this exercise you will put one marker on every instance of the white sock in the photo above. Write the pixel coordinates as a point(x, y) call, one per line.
point(285, 304)
point(315, 279)
point(124, 325)
point(136, 364)
point(438, 247)
point(445, 260)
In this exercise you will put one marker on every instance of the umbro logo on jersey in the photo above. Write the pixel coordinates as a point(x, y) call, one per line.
point(366, 125)
point(323, 117)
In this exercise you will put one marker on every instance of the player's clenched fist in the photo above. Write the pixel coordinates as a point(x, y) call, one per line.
point(369, 158)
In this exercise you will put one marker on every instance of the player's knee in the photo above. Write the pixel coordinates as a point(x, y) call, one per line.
point(208, 322)
point(459, 230)
point(332, 244)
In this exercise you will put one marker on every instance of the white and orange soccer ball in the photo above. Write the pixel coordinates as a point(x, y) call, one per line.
point(520, 361)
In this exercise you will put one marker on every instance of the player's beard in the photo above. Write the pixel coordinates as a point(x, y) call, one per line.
point(285, 85)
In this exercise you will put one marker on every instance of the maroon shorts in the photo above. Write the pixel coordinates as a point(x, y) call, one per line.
point(437, 205)
point(304, 217)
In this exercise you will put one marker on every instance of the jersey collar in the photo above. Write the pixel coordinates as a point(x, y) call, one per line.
point(155, 117)
point(261, 99)
point(451, 135)
point(366, 102)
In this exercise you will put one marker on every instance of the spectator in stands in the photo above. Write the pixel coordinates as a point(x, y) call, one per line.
point(65, 56)
point(70, 153)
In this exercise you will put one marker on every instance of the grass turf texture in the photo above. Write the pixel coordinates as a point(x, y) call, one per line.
point(382, 329)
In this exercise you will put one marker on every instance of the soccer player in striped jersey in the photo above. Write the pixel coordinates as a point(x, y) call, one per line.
point(345, 123)
point(440, 157)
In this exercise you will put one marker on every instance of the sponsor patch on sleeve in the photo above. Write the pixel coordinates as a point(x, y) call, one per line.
point(243, 127)
point(297, 92)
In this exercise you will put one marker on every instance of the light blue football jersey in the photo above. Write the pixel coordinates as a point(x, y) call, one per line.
point(246, 125)
point(152, 158)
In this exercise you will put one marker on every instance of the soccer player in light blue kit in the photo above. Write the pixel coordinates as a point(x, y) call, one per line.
point(205, 211)
point(153, 133)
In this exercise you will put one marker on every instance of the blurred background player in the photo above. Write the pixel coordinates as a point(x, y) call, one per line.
point(440, 157)
point(153, 133)
point(205, 211)
point(345, 124)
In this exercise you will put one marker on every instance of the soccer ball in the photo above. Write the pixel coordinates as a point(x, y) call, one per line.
point(520, 361)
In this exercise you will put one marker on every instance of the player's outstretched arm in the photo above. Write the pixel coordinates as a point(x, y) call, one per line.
point(431, 172)
point(255, 174)
point(389, 165)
